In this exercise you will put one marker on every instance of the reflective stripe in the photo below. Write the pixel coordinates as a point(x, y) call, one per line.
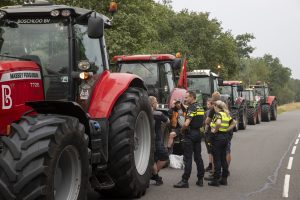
point(224, 122)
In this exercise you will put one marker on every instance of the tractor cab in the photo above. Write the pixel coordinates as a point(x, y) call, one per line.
point(204, 83)
point(63, 41)
point(261, 91)
point(236, 103)
point(158, 72)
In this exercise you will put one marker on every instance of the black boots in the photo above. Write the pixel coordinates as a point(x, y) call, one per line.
point(214, 182)
point(200, 182)
point(181, 184)
point(223, 181)
point(209, 167)
point(157, 179)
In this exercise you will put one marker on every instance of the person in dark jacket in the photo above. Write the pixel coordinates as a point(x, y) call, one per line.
point(192, 141)
point(160, 154)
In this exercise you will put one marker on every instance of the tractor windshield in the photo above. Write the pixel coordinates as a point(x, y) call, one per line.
point(147, 71)
point(46, 41)
point(225, 90)
point(199, 84)
point(248, 95)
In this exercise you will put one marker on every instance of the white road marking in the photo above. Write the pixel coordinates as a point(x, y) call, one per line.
point(294, 150)
point(297, 141)
point(290, 163)
point(285, 192)
point(299, 135)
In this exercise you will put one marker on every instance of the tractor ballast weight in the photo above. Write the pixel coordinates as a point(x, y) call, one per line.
point(66, 121)
point(269, 103)
point(237, 104)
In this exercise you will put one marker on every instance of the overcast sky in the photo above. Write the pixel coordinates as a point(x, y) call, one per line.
point(274, 23)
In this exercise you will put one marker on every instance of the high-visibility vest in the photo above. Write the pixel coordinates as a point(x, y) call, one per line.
point(224, 122)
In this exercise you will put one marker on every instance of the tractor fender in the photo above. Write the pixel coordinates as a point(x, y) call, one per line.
point(177, 93)
point(108, 89)
point(270, 99)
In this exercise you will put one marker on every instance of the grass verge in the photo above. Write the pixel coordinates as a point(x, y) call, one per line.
point(288, 107)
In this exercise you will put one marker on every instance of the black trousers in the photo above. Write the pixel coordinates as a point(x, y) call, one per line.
point(219, 146)
point(192, 144)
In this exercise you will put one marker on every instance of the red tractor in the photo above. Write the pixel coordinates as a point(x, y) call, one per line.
point(268, 103)
point(236, 103)
point(158, 72)
point(66, 122)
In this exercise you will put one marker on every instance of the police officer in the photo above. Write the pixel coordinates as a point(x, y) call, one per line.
point(219, 129)
point(192, 141)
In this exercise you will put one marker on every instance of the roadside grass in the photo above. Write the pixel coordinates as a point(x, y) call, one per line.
point(288, 107)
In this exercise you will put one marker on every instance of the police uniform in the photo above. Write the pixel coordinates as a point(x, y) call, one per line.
point(192, 142)
point(219, 145)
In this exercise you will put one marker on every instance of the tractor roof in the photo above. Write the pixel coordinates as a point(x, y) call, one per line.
point(44, 8)
point(233, 83)
point(153, 57)
point(202, 72)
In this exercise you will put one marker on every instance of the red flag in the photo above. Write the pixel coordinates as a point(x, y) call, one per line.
point(182, 82)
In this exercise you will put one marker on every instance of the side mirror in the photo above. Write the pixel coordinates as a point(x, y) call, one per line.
point(176, 64)
point(95, 27)
point(220, 81)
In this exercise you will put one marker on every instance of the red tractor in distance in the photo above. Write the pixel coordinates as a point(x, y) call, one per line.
point(268, 103)
point(236, 103)
point(66, 122)
point(158, 72)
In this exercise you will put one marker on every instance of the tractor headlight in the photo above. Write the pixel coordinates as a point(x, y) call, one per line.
point(54, 13)
point(65, 13)
point(84, 65)
point(2, 14)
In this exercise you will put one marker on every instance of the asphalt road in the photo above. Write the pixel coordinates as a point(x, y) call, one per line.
point(261, 167)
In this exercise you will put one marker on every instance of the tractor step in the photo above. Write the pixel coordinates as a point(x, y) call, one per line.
point(102, 182)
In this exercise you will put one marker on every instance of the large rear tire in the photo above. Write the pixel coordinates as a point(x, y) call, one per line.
point(252, 116)
point(274, 110)
point(265, 113)
point(243, 119)
point(45, 157)
point(131, 144)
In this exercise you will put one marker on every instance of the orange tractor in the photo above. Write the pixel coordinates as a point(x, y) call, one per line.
point(66, 122)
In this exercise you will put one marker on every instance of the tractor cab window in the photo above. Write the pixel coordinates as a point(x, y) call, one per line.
point(225, 90)
point(88, 49)
point(147, 71)
point(200, 84)
point(45, 40)
point(259, 91)
point(235, 93)
point(266, 92)
point(170, 78)
point(215, 84)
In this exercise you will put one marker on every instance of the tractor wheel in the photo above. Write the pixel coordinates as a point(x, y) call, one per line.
point(258, 114)
point(235, 115)
point(265, 113)
point(252, 116)
point(45, 157)
point(131, 145)
point(243, 119)
point(274, 110)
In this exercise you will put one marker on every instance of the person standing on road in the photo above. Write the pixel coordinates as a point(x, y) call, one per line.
point(192, 141)
point(177, 115)
point(219, 128)
point(160, 155)
point(209, 105)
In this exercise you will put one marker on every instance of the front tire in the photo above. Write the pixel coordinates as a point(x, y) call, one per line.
point(45, 157)
point(131, 144)
point(265, 113)
point(252, 116)
point(274, 111)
